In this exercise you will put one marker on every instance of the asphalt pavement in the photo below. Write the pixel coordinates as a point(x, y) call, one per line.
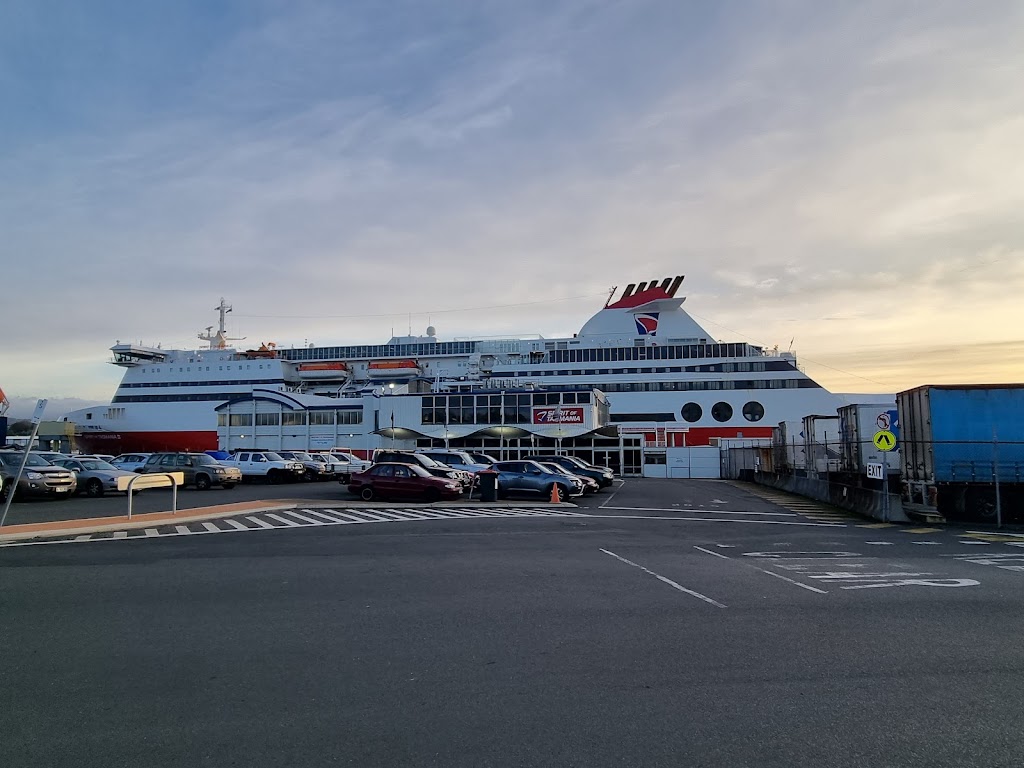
point(665, 623)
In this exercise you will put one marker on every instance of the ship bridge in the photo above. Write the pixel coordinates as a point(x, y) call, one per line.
point(131, 355)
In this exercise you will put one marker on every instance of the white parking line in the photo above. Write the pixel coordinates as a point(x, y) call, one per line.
point(671, 583)
point(762, 570)
point(704, 511)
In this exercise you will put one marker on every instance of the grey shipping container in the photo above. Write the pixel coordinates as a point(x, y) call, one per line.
point(821, 443)
point(788, 444)
point(858, 424)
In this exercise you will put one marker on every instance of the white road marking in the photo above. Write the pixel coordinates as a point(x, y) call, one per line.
point(152, 532)
point(711, 511)
point(282, 520)
point(671, 583)
point(330, 518)
point(260, 523)
point(86, 537)
point(305, 519)
point(608, 500)
point(918, 583)
point(120, 534)
point(927, 543)
point(211, 528)
point(882, 543)
point(975, 543)
point(235, 524)
point(714, 520)
point(709, 552)
point(793, 581)
point(183, 530)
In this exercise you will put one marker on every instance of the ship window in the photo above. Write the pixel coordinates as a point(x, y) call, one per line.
point(691, 412)
point(753, 411)
point(721, 411)
point(88, 417)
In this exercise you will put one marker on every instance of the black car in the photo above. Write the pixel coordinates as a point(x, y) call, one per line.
point(531, 477)
point(602, 475)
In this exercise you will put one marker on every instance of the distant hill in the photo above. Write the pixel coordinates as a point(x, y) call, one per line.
point(56, 407)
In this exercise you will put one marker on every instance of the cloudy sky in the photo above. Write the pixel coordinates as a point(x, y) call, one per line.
point(845, 177)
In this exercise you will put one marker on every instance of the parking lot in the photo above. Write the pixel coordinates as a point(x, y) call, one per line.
point(659, 623)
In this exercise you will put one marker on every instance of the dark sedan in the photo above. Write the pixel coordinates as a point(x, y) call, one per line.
point(602, 475)
point(410, 481)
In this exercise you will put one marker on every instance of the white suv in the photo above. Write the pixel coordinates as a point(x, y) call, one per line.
point(267, 465)
point(454, 459)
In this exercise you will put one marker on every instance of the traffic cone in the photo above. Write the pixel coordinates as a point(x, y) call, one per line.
point(554, 494)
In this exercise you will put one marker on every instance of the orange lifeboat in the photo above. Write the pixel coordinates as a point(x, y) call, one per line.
point(265, 350)
point(333, 370)
point(393, 369)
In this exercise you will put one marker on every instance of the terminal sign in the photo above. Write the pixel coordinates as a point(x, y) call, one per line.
point(557, 415)
point(884, 440)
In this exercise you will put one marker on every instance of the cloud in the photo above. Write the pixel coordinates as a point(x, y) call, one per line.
point(848, 175)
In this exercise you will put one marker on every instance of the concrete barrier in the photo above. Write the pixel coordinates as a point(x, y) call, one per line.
point(860, 500)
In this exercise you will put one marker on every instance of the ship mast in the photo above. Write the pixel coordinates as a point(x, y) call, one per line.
point(220, 339)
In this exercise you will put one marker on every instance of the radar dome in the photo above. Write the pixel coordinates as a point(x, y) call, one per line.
point(431, 330)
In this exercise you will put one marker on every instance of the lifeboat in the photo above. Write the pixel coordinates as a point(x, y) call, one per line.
point(322, 370)
point(265, 350)
point(393, 369)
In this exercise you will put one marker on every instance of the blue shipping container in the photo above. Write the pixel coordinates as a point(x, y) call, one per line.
point(963, 434)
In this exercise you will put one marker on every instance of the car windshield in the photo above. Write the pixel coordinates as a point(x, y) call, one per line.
point(300, 456)
point(554, 468)
point(271, 456)
point(206, 460)
point(94, 464)
point(575, 462)
point(483, 458)
point(13, 459)
point(419, 471)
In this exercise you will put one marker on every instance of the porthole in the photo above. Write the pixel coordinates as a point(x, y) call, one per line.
point(753, 411)
point(691, 412)
point(721, 411)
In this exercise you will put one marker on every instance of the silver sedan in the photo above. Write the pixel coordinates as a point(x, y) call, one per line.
point(95, 477)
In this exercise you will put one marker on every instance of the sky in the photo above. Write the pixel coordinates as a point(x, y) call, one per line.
point(841, 179)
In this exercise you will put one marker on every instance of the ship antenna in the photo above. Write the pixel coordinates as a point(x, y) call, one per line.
point(611, 293)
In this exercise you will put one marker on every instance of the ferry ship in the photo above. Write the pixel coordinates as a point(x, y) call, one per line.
point(640, 371)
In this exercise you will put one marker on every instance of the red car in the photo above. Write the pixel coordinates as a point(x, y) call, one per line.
point(392, 480)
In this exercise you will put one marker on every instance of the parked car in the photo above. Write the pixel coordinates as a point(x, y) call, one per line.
point(315, 467)
point(40, 478)
point(603, 475)
point(95, 477)
point(266, 465)
point(401, 480)
point(355, 464)
point(533, 478)
point(433, 467)
point(482, 458)
point(590, 485)
point(130, 462)
point(50, 456)
point(454, 459)
point(107, 457)
point(200, 470)
point(342, 469)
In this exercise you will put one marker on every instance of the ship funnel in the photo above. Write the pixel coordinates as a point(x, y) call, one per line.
point(628, 292)
point(675, 285)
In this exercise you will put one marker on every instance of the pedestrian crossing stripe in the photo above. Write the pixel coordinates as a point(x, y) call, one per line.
point(303, 518)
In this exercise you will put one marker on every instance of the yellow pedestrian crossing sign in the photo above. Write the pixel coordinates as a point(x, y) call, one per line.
point(884, 440)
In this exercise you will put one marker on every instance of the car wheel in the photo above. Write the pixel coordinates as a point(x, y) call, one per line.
point(367, 494)
point(94, 488)
point(431, 495)
point(274, 476)
point(202, 483)
point(309, 475)
point(3, 493)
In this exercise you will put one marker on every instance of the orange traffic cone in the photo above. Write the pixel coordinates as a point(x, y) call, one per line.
point(555, 499)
